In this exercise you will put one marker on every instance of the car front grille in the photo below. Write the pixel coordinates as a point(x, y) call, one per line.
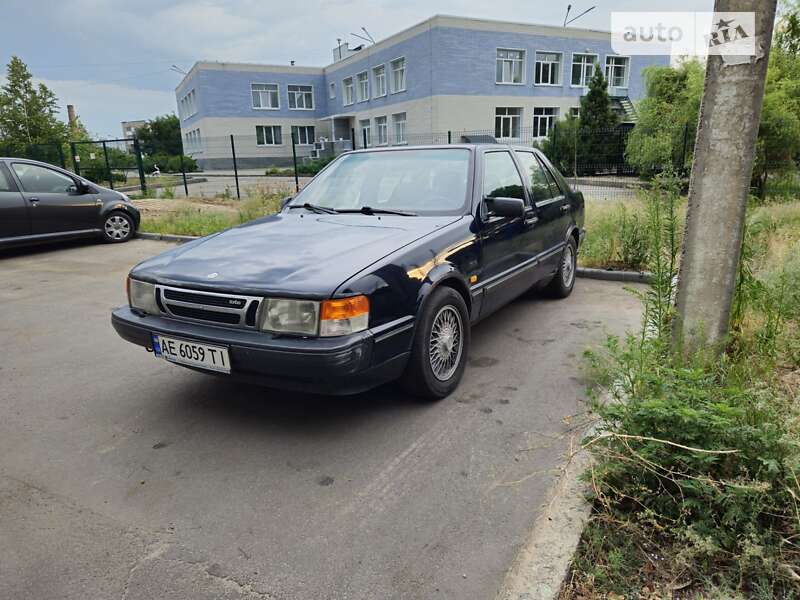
point(231, 310)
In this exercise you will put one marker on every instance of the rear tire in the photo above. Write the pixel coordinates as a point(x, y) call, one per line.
point(118, 227)
point(564, 280)
point(440, 347)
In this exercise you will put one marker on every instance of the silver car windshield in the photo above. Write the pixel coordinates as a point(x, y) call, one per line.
point(424, 182)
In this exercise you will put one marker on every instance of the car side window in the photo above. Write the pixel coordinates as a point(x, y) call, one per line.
point(500, 177)
point(41, 180)
point(5, 184)
point(539, 184)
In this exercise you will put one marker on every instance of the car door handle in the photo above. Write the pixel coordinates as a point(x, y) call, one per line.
point(565, 207)
point(33, 201)
point(530, 220)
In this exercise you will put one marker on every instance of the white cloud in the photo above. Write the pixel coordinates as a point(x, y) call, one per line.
point(101, 106)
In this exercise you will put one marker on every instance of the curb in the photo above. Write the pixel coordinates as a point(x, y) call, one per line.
point(165, 237)
point(542, 564)
point(607, 275)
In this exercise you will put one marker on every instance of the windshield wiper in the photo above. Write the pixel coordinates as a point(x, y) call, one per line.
point(368, 210)
point(315, 208)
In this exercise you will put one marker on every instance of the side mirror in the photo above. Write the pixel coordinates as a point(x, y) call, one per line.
point(286, 201)
point(506, 207)
point(80, 187)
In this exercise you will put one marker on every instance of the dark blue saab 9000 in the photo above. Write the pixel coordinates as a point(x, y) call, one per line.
point(374, 272)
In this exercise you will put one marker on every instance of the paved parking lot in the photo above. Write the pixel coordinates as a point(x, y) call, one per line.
point(122, 476)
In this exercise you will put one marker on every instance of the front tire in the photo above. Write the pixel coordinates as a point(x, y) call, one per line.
point(564, 280)
point(440, 347)
point(118, 227)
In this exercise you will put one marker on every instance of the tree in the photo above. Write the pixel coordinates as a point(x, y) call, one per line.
point(667, 121)
point(596, 124)
point(778, 139)
point(161, 135)
point(561, 145)
point(27, 112)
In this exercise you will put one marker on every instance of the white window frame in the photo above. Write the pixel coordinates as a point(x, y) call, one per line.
point(277, 92)
point(352, 90)
point(362, 95)
point(572, 63)
point(273, 128)
point(382, 127)
point(307, 142)
point(332, 90)
point(375, 79)
point(550, 119)
point(559, 71)
point(524, 65)
point(295, 93)
point(511, 119)
point(391, 75)
point(187, 106)
point(575, 111)
point(400, 139)
point(627, 70)
point(365, 125)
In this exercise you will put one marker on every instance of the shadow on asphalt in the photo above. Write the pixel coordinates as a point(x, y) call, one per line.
point(37, 249)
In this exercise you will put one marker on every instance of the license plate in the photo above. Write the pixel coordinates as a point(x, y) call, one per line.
point(194, 354)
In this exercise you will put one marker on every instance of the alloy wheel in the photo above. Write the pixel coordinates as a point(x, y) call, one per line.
point(446, 342)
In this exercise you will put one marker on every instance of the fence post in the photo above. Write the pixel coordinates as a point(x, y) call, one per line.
point(76, 163)
point(108, 167)
point(353, 137)
point(235, 169)
point(140, 165)
point(449, 137)
point(294, 158)
point(364, 134)
point(183, 173)
point(61, 156)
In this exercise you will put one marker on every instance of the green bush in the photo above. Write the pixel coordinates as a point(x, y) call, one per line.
point(312, 167)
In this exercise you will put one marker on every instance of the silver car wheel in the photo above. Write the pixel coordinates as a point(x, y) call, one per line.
point(568, 266)
point(117, 227)
point(446, 342)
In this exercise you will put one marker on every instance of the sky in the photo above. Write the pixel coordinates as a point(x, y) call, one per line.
point(112, 58)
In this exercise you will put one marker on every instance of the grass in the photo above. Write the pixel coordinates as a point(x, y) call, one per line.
point(719, 516)
point(204, 220)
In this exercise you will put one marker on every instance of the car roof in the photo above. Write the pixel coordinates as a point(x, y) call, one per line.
point(471, 147)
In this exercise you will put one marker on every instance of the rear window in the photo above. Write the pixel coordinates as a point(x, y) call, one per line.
point(424, 181)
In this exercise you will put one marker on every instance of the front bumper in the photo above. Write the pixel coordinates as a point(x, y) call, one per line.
point(337, 365)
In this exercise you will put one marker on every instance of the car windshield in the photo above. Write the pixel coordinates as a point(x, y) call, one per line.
point(422, 182)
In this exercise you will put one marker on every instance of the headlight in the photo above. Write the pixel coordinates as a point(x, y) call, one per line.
point(142, 296)
point(308, 317)
point(343, 316)
point(282, 315)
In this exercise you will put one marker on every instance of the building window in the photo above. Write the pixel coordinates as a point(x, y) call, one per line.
point(301, 97)
point(192, 142)
point(347, 86)
point(543, 119)
point(582, 68)
point(303, 134)
point(383, 130)
point(268, 135)
point(398, 67)
point(332, 90)
point(399, 124)
point(363, 86)
point(510, 65)
point(265, 96)
point(507, 122)
point(379, 76)
point(617, 71)
point(187, 106)
point(575, 111)
point(548, 68)
point(366, 132)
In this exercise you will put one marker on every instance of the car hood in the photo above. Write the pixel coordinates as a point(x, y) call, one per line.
point(301, 255)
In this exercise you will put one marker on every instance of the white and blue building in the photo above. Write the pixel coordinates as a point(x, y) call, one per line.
point(510, 80)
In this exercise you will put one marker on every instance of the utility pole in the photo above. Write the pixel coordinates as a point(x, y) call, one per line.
point(720, 182)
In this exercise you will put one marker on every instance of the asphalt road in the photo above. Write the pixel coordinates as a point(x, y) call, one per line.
point(122, 476)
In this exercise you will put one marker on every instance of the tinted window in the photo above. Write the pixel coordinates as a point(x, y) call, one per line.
point(419, 181)
point(41, 180)
point(501, 178)
point(5, 184)
point(552, 182)
point(538, 180)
